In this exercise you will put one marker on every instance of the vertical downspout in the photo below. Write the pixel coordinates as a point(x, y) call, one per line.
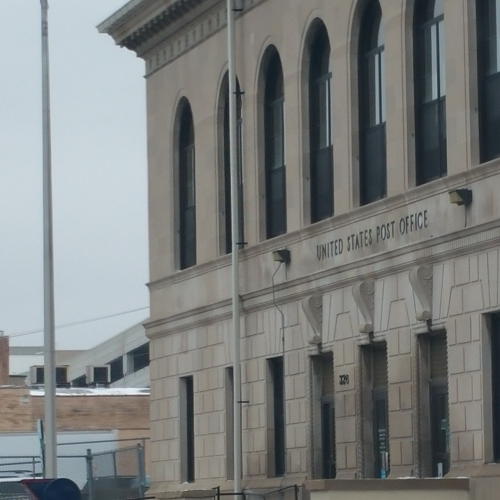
point(235, 250)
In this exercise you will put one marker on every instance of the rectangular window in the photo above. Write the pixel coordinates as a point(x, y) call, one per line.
point(116, 369)
point(430, 95)
point(139, 358)
point(380, 414)
point(324, 450)
point(229, 384)
point(321, 150)
point(187, 429)
point(438, 386)
point(374, 400)
point(227, 174)
point(276, 417)
point(495, 384)
point(276, 172)
point(79, 381)
point(488, 51)
point(434, 421)
point(40, 375)
point(493, 22)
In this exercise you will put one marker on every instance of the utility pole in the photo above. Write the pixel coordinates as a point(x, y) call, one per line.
point(235, 251)
point(48, 264)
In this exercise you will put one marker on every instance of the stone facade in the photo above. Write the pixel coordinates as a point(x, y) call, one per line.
point(392, 277)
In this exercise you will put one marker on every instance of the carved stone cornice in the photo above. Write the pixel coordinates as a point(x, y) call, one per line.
point(172, 13)
point(160, 32)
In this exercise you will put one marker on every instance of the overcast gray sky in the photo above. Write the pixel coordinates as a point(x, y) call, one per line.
point(98, 170)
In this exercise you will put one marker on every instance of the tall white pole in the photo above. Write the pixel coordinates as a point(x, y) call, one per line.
point(48, 264)
point(235, 250)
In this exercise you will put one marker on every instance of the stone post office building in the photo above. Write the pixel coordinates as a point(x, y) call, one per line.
point(369, 149)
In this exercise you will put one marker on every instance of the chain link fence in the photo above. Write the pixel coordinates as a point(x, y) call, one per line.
point(291, 492)
point(21, 466)
point(118, 474)
point(115, 475)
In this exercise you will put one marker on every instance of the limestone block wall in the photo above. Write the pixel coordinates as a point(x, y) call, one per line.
point(202, 353)
point(464, 290)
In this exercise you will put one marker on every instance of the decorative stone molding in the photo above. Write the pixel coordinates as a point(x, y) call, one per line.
point(170, 30)
point(313, 309)
point(363, 293)
point(421, 282)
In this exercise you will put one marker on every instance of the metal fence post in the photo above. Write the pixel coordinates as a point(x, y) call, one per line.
point(142, 469)
point(90, 475)
point(115, 468)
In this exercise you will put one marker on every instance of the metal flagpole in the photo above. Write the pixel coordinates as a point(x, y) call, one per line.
point(48, 264)
point(235, 250)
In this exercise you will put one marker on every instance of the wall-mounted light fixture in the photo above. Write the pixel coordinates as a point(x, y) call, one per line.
point(282, 256)
point(461, 196)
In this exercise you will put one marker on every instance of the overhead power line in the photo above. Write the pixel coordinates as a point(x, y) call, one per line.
point(81, 322)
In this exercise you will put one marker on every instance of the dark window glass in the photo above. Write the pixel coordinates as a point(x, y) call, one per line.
point(187, 201)
point(488, 29)
point(328, 417)
point(495, 384)
point(140, 357)
point(439, 405)
point(79, 381)
point(187, 430)
point(227, 167)
point(116, 369)
point(275, 148)
point(430, 90)
point(320, 127)
point(62, 376)
point(278, 401)
point(40, 375)
point(373, 168)
point(229, 381)
point(380, 416)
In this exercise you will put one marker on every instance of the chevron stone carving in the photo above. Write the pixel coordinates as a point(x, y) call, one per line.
point(363, 293)
point(313, 309)
point(421, 282)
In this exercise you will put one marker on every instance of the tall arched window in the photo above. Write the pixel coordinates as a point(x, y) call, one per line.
point(227, 165)
point(430, 90)
point(187, 195)
point(488, 29)
point(372, 109)
point(274, 138)
point(321, 147)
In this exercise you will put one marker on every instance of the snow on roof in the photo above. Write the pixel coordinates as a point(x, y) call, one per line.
point(98, 391)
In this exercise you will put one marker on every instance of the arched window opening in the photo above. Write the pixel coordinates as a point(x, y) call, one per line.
point(320, 126)
point(274, 138)
point(430, 90)
point(187, 194)
point(227, 166)
point(488, 29)
point(373, 164)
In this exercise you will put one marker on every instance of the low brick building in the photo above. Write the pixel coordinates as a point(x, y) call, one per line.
point(77, 410)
